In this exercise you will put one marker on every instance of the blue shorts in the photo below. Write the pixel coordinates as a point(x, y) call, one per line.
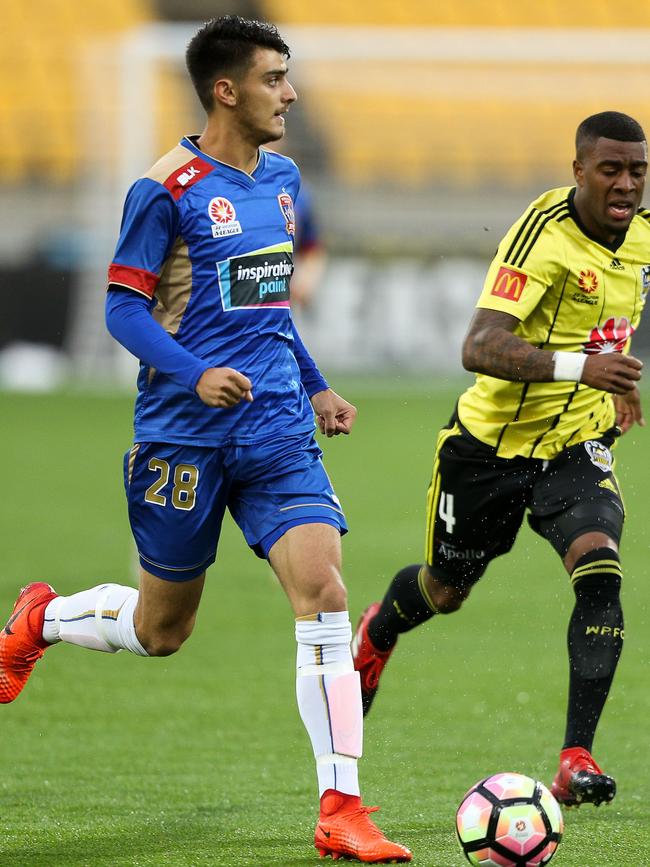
point(178, 494)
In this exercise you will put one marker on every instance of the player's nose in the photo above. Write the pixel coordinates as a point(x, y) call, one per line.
point(289, 94)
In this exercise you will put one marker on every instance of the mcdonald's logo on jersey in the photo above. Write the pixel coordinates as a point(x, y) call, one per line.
point(509, 284)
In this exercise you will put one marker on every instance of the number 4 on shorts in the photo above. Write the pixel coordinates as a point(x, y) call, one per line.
point(446, 511)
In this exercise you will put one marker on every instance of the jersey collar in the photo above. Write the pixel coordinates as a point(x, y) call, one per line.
point(234, 174)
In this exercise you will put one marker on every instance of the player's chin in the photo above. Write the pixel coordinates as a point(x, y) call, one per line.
point(618, 224)
point(274, 132)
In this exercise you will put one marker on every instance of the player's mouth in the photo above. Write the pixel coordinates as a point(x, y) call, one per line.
point(620, 210)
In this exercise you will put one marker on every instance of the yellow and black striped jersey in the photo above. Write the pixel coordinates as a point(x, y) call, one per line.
point(570, 293)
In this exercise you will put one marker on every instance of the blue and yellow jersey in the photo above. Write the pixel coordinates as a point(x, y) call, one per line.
point(569, 293)
point(212, 247)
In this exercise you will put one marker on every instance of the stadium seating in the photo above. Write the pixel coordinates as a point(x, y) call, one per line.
point(41, 77)
point(494, 116)
point(418, 119)
point(468, 13)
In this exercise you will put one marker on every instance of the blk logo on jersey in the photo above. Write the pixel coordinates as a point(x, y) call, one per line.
point(257, 279)
point(286, 206)
point(610, 337)
point(185, 177)
point(509, 284)
point(224, 218)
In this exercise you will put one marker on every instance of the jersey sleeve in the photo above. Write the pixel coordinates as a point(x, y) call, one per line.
point(150, 222)
point(312, 379)
point(524, 266)
point(130, 322)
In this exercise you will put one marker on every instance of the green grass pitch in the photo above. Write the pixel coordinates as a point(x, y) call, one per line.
point(201, 759)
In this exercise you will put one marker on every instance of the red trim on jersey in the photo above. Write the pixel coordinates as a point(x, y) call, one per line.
point(186, 176)
point(137, 279)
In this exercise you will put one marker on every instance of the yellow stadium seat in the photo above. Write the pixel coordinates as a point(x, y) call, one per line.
point(40, 94)
point(454, 121)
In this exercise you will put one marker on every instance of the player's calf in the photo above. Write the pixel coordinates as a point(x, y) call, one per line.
point(412, 598)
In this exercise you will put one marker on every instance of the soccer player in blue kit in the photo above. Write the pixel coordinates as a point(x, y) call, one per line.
point(199, 292)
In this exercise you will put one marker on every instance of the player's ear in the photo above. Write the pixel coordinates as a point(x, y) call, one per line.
point(225, 92)
point(578, 172)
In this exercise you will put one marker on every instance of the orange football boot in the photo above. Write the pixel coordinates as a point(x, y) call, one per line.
point(344, 830)
point(21, 640)
point(580, 781)
point(368, 661)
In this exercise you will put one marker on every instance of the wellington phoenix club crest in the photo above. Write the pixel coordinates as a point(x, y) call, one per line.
point(645, 280)
point(286, 206)
point(599, 455)
point(224, 218)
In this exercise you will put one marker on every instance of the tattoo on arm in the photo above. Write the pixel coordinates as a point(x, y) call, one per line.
point(492, 348)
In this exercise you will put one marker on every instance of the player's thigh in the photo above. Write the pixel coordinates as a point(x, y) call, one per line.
point(475, 506)
point(307, 561)
point(279, 485)
point(579, 494)
point(177, 496)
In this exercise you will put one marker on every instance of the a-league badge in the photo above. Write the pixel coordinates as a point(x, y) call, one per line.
point(224, 218)
point(286, 206)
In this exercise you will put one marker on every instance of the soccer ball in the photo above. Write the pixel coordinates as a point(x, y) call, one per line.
point(509, 820)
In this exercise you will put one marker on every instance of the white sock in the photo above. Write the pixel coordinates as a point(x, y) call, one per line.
point(329, 698)
point(100, 618)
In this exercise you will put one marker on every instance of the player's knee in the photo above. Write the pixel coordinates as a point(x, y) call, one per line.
point(164, 642)
point(447, 599)
point(333, 597)
point(326, 593)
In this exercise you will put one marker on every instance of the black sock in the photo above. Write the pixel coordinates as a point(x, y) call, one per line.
point(403, 607)
point(595, 641)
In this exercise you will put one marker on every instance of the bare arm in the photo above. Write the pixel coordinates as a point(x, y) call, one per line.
point(492, 348)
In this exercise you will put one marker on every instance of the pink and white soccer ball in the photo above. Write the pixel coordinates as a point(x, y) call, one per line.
point(509, 820)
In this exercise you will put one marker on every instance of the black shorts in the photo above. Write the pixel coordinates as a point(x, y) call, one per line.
point(476, 501)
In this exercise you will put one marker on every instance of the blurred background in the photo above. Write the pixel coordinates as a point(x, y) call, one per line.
point(422, 131)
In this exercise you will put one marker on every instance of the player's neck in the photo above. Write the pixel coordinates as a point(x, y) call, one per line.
point(591, 228)
point(228, 148)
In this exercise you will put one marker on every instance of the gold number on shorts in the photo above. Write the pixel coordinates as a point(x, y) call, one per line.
point(186, 478)
point(151, 494)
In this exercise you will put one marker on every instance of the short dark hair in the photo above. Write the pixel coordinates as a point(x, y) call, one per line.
point(608, 124)
point(225, 46)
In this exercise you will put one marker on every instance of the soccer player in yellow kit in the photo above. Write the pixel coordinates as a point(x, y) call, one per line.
point(554, 389)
